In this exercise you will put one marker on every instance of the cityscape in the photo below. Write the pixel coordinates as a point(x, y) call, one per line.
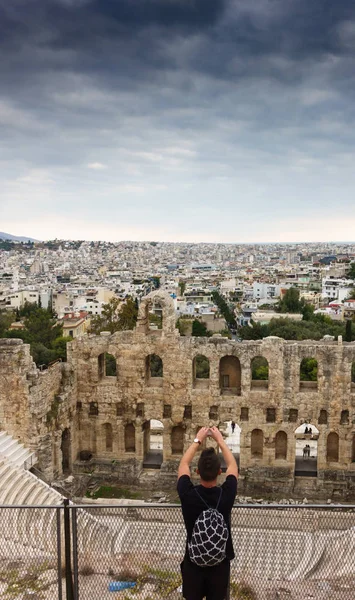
point(76, 279)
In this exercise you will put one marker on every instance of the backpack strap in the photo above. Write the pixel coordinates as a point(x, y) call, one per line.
point(219, 499)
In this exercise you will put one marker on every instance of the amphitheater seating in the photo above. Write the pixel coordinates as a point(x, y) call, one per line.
point(16, 453)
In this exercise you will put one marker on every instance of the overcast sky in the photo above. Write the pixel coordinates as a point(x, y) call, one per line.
point(178, 120)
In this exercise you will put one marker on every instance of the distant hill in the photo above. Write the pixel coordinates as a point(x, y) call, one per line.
point(15, 238)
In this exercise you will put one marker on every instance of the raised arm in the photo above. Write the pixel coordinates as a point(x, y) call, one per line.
point(184, 466)
point(232, 467)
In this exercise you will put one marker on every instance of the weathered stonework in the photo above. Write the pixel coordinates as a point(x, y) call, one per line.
point(75, 407)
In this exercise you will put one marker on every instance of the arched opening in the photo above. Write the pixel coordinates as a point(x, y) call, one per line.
point(93, 409)
point(232, 432)
point(130, 438)
point(213, 414)
point(65, 448)
point(308, 374)
point(259, 373)
point(344, 417)
point(110, 365)
point(177, 440)
point(230, 375)
point(323, 417)
point(155, 316)
point(257, 443)
point(167, 411)
point(281, 445)
point(154, 370)
point(107, 437)
point(353, 449)
point(306, 454)
point(333, 447)
point(201, 371)
point(153, 431)
point(353, 377)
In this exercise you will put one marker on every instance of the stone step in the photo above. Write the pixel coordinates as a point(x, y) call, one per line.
point(15, 452)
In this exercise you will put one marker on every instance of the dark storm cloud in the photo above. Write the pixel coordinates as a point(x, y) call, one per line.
point(235, 38)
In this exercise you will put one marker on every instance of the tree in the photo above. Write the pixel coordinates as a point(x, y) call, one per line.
point(260, 368)
point(111, 365)
point(224, 309)
point(307, 312)
point(41, 327)
point(348, 332)
point(182, 286)
point(6, 318)
point(351, 273)
point(351, 295)
point(291, 303)
point(309, 369)
point(59, 346)
point(115, 316)
point(199, 329)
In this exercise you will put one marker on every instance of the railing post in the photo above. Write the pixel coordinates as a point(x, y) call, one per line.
point(59, 554)
point(68, 571)
point(75, 552)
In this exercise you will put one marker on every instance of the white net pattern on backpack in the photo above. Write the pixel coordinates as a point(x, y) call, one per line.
point(207, 546)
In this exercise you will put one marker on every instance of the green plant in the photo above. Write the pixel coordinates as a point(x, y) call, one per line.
point(241, 591)
point(23, 582)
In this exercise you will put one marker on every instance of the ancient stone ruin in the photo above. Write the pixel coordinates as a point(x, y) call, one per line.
point(79, 417)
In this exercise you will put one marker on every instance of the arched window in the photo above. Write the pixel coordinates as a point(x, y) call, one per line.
point(155, 316)
point(323, 417)
point(110, 365)
point(257, 443)
point(201, 371)
point(230, 375)
point(167, 411)
point(153, 442)
point(154, 366)
point(333, 447)
point(108, 437)
point(93, 409)
point(140, 409)
point(177, 440)
point(308, 374)
point(214, 413)
point(281, 445)
point(130, 438)
point(353, 377)
point(259, 373)
point(344, 417)
point(353, 449)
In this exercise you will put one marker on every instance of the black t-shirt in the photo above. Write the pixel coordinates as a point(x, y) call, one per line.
point(192, 506)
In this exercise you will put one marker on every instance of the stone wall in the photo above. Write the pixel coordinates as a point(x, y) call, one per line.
point(78, 408)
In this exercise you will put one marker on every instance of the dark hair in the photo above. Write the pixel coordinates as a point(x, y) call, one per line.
point(209, 465)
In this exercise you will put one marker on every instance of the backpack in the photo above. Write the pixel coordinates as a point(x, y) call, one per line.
point(207, 546)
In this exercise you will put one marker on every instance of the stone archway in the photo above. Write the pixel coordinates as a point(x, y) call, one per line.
point(306, 454)
point(232, 439)
point(65, 448)
point(153, 441)
point(230, 375)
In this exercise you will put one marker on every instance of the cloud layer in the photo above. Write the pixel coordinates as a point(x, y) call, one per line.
point(173, 119)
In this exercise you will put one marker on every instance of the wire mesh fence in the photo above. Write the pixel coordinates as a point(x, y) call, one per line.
point(31, 552)
point(133, 552)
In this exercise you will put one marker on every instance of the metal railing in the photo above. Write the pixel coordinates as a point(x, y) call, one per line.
point(80, 552)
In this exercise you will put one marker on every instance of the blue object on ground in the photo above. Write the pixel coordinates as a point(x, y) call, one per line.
point(117, 586)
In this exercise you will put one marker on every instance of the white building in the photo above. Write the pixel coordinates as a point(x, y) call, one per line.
point(265, 291)
point(336, 289)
